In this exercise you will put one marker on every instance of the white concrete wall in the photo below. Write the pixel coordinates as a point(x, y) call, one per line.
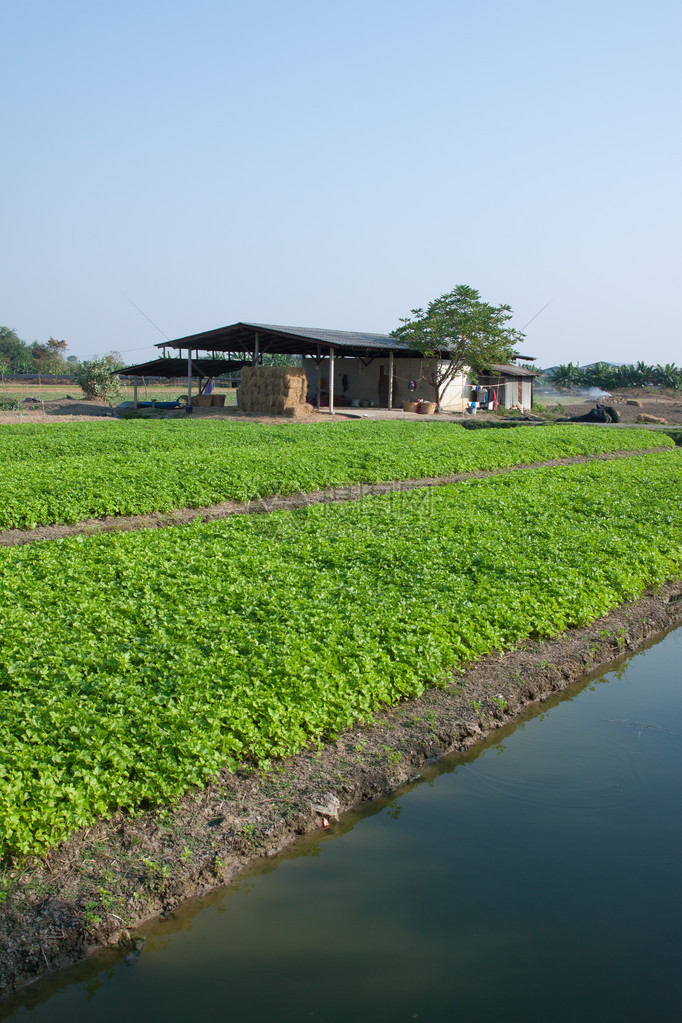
point(362, 381)
point(457, 394)
point(416, 370)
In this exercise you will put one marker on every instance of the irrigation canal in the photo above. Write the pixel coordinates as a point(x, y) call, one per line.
point(535, 879)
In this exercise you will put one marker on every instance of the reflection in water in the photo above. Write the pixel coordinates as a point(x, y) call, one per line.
point(536, 879)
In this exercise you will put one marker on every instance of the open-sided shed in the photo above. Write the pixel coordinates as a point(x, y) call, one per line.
point(342, 366)
point(319, 348)
point(171, 368)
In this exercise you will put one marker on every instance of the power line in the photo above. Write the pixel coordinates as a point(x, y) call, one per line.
point(154, 325)
point(144, 348)
point(537, 313)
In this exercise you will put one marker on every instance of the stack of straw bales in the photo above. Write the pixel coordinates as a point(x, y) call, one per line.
point(274, 391)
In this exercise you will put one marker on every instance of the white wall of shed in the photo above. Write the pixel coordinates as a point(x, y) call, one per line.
point(457, 393)
point(362, 381)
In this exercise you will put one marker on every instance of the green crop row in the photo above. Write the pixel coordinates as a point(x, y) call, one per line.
point(135, 665)
point(73, 471)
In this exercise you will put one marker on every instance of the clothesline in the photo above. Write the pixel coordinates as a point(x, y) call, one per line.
point(397, 376)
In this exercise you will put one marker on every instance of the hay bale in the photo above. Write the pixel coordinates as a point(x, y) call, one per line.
point(273, 390)
point(644, 418)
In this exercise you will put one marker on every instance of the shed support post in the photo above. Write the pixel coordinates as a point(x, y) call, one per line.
point(319, 379)
point(331, 381)
point(189, 379)
point(390, 380)
point(135, 393)
point(256, 351)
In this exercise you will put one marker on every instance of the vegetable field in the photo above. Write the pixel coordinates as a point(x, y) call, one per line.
point(79, 470)
point(135, 665)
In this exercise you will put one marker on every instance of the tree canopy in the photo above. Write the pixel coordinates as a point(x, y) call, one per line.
point(16, 355)
point(610, 378)
point(459, 331)
point(49, 357)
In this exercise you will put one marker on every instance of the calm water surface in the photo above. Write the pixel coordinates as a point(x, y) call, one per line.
point(538, 880)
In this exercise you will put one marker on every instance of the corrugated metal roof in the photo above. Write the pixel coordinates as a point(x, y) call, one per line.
point(280, 339)
point(276, 338)
point(514, 371)
point(338, 338)
point(178, 368)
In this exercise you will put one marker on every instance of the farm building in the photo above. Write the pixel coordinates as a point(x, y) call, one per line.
point(359, 369)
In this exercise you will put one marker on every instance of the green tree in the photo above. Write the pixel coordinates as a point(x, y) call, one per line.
point(116, 359)
point(15, 351)
point(95, 378)
point(459, 331)
point(49, 357)
point(281, 360)
point(567, 376)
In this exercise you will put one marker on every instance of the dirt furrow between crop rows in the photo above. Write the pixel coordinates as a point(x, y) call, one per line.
point(351, 492)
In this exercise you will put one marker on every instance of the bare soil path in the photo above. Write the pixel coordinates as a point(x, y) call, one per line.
point(629, 405)
point(666, 406)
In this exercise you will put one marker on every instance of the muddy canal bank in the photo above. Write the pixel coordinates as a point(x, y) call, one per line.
point(105, 881)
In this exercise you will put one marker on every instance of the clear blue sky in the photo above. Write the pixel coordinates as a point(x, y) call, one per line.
point(336, 165)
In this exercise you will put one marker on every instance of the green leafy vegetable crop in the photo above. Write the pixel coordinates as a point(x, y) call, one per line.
point(135, 665)
point(72, 471)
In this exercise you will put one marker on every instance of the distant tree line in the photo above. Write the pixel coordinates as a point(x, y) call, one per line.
point(17, 356)
point(611, 378)
point(93, 375)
